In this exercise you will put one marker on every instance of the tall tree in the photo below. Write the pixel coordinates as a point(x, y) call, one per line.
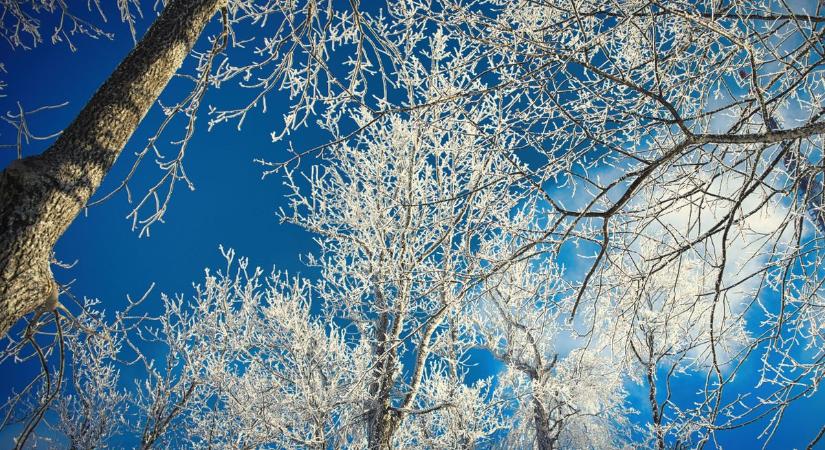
point(41, 195)
point(697, 129)
point(660, 162)
point(383, 362)
point(397, 250)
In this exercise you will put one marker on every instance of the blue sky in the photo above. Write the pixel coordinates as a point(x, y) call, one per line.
point(231, 206)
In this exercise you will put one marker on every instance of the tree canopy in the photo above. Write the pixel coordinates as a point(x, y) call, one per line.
point(618, 204)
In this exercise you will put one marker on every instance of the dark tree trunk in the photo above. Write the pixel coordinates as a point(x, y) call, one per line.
point(545, 438)
point(41, 195)
point(382, 420)
point(382, 424)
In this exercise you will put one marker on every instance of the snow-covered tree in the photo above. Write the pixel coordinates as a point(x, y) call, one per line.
point(677, 147)
point(564, 385)
point(601, 195)
point(398, 215)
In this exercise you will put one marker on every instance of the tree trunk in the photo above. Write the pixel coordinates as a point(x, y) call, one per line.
point(382, 422)
point(545, 439)
point(41, 195)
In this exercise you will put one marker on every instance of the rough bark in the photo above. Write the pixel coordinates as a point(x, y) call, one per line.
point(41, 195)
point(545, 438)
point(382, 419)
point(383, 422)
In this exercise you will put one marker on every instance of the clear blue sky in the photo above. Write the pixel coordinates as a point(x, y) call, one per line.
point(231, 205)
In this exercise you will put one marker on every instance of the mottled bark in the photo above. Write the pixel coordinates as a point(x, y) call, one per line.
point(545, 438)
point(382, 419)
point(41, 195)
